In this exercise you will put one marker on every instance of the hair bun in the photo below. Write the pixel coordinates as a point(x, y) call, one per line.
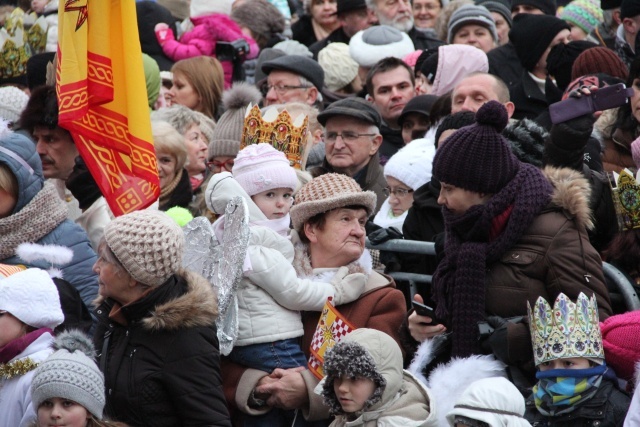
point(493, 114)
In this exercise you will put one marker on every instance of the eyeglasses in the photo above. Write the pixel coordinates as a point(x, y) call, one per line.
point(280, 89)
point(346, 135)
point(215, 164)
point(400, 193)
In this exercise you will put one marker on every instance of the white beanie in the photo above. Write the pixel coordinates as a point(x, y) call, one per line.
point(207, 7)
point(32, 297)
point(12, 102)
point(260, 167)
point(412, 164)
point(339, 67)
point(378, 42)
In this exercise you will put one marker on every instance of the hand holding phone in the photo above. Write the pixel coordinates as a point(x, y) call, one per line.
point(603, 99)
point(425, 310)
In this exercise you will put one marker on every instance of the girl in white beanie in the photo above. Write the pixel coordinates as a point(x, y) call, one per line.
point(405, 172)
point(29, 311)
point(68, 388)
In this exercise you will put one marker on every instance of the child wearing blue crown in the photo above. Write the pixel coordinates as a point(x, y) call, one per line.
point(575, 387)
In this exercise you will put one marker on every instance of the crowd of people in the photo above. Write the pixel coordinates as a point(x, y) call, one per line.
point(487, 127)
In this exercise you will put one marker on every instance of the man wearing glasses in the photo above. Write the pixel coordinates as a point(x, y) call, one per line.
point(352, 139)
point(292, 78)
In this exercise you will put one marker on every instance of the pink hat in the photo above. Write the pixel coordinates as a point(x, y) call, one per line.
point(621, 341)
point(260, 167)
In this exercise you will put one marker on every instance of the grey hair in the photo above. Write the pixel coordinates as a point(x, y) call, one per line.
point(105, 252)
point(178, 116)
point(307, 83)
point(371, 4)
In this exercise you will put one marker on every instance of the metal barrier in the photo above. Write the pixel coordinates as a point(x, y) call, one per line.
point(614, 276)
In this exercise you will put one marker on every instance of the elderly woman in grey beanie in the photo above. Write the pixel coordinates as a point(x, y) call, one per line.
point(156, 334)
point(328, 219)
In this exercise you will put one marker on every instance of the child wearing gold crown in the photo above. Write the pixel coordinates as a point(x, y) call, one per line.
point(575, 387)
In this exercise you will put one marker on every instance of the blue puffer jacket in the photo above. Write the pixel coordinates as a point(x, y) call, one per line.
point(18, 153)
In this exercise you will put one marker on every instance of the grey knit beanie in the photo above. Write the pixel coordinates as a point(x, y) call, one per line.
point(148, 244)
point(469, 14)
point(226, 136)
point(70, 373)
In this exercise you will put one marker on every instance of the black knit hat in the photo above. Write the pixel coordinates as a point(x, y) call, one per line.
point(610, 4)
point(531, 35)
point(454, 122)
point(477, 157)
point(502, 7)
point(561, 58)
point(429, 67)
point(548, 7)
point(629, 8)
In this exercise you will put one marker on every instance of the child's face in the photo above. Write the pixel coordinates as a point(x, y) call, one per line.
point(38, 5)
point(62, 412)
point(567, 363)
point(10, 328)
point(274, 204)
point(353, 392)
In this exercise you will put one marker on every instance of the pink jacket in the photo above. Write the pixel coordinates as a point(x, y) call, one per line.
point(201, 40)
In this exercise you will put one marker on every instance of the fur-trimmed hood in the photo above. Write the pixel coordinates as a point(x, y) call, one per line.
point(197, 307)
point(571, 193)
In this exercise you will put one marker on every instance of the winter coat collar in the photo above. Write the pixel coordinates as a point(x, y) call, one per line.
point(186, 300)
point(571, 194)
point(302, 260)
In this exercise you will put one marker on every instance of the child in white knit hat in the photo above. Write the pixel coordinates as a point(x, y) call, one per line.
point(270, 294)
point(68, 388)
point(29, 311)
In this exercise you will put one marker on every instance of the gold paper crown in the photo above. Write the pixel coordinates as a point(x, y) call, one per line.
point(626, 199)
point(13, 55)
point(37, 35)
point(279, 130)
point(567, 330)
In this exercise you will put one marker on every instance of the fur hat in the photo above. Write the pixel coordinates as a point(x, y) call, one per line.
point(532, 34)
point(41, 110)
point(327, 192)
point(148, 244)
point(207, 7)
point(599, 59)
point(339, 67)
point(225, 140)
point(260, 167)
point(411, 165)
point(477, 157)
point(470, 14)
point(12, 102)
point(32, 298)
point(378, 42)
point(621, 342)
point(366, 353)
point(585, 14)
point(70, 373)
point(495, 401)
point(548, 7)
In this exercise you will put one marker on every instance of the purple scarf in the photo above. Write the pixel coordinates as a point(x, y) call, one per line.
point(459, 281)
point(18, 345)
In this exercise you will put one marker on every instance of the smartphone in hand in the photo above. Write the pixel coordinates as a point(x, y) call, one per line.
point(425, 310)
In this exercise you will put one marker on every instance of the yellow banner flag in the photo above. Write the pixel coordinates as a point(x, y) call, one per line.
point(102, 99)
point(332, 327)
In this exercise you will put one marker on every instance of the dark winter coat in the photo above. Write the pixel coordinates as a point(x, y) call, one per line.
point(337, 36)
point(181, 196)
point(422, 40)
point(529, 100)
point(554, 255)
point(504, 63)
point(607, 408)
point(162, 368)
point(302, 31)
point(391, 142)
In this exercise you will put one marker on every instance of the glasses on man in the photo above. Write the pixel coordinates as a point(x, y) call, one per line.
point(400, 193)
point(216, 166)
point(346, 135)
point(280, 89)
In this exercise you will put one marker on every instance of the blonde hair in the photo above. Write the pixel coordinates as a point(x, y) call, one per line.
point(166, 138)
point(206, 75)
point(8, 181)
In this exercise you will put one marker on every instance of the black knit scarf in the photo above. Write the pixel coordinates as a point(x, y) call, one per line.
point(459, 281)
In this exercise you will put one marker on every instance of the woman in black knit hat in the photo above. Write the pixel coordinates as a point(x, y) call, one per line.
point(513, 233)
